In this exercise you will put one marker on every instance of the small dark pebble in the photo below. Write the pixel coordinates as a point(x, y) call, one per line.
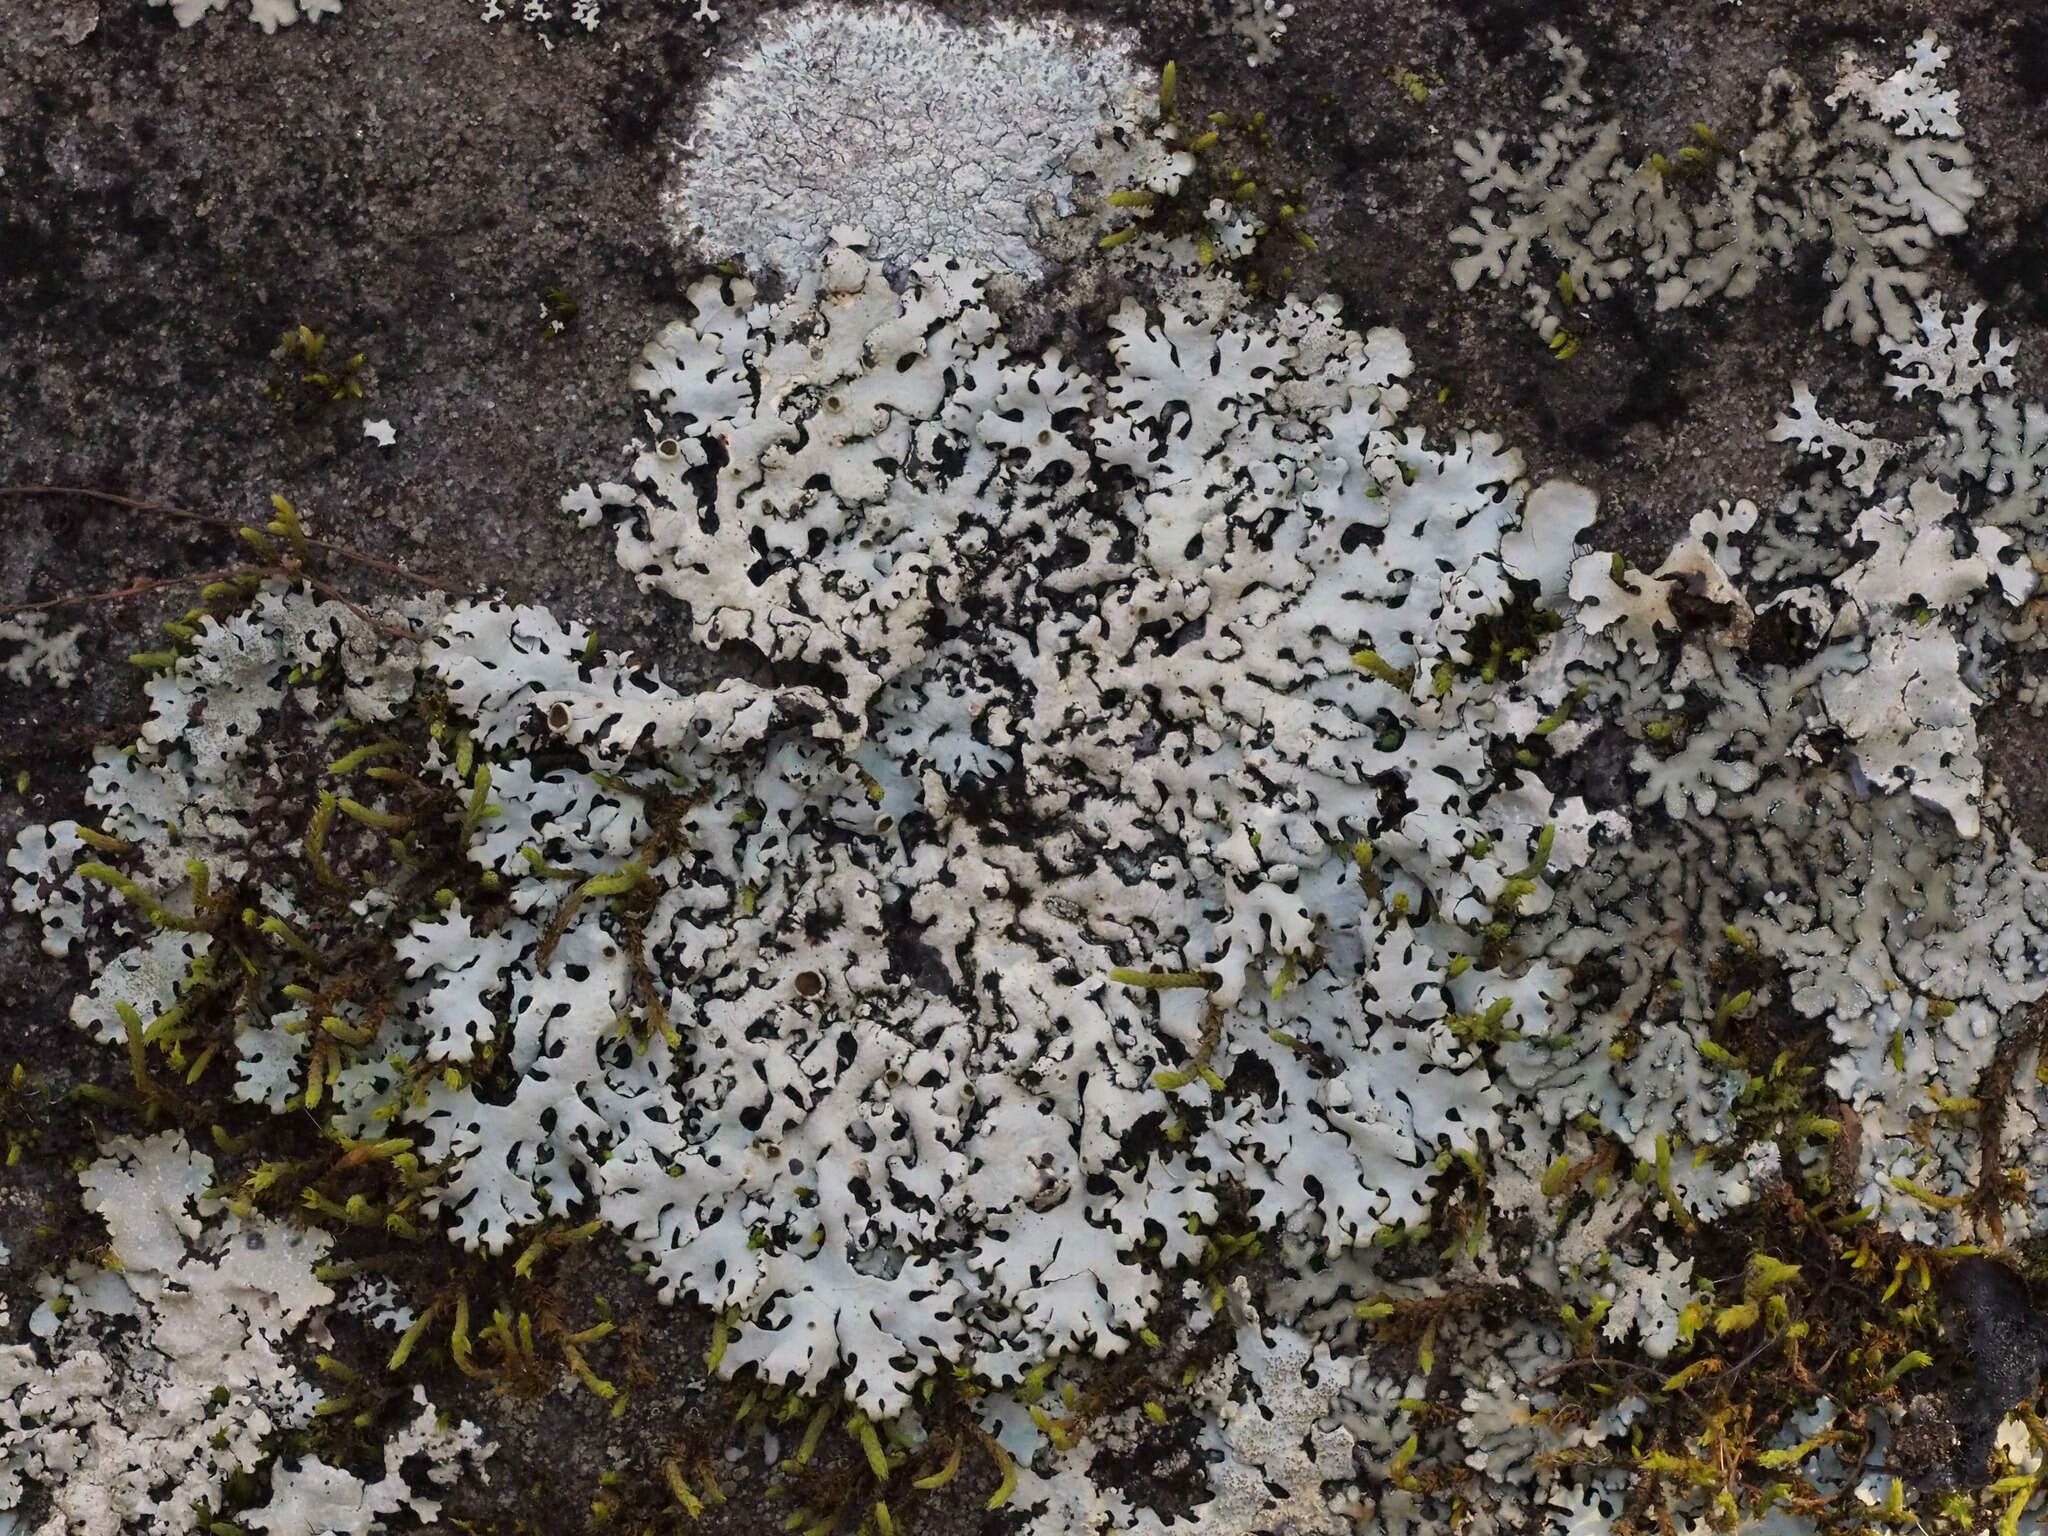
point(1988, 1312)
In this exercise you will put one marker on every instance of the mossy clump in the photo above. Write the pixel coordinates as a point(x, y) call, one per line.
point(1217, 190)
point(310, 376)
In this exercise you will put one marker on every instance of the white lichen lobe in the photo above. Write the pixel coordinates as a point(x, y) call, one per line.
point(168, 1371)
point(267, 14)
point(1874, 188)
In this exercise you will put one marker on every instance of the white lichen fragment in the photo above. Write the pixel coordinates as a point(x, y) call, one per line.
point(1279, 1453)
point(1258, 26)
point(1582, 214)
point(1273, 1452)
point(157, 1377)
point(1946, 357)
point(935, 135)
point(1862, 455)
point(31, 647)
point(267, 14)
point(315, 1497)
point(588, 15)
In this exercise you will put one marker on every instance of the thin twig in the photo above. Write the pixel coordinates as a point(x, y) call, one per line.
point(290, 571)
point(1575, 1363)
point(388, 631)
point(1725, 1380)
point(226, 525)
point(136, 588)
point(1993, 1089)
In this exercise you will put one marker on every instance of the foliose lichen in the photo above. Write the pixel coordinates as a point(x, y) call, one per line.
point(1169, 817)
point(1875, 187)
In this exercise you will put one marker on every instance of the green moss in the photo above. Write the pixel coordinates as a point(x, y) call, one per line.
point(1236, 164)
point(309, 376)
